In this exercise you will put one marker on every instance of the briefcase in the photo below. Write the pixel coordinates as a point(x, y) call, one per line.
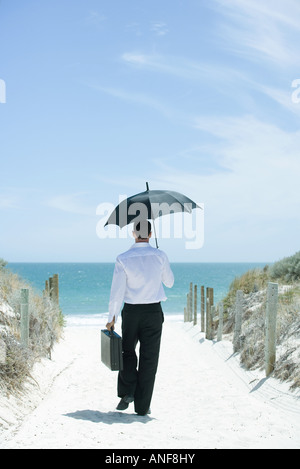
point(111, 350)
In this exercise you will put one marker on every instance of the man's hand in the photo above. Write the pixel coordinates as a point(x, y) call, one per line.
point(111, 325)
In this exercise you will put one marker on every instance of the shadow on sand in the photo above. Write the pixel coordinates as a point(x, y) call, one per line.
point(109, 418)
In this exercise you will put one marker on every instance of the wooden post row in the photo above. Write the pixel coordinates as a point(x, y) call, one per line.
point(191, 310)
point(271, 319)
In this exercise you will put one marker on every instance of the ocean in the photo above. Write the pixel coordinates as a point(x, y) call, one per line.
point(84, 288)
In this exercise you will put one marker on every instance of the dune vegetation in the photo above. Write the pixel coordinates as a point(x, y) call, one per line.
point(253, 283)
point(45, 328)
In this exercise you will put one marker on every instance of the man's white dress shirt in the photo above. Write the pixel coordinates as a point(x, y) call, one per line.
point(138, 277)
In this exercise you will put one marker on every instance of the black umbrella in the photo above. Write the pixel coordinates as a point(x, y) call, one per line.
point(149, 205)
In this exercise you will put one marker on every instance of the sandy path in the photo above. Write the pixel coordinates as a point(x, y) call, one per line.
point(203, 399)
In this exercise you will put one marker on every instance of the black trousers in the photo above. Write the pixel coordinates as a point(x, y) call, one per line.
point(140, 323)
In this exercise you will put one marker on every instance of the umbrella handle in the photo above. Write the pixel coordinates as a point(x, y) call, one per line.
point(155, 233)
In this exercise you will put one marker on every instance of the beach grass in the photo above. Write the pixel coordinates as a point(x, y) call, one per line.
point(254, 286)
point(46, 323)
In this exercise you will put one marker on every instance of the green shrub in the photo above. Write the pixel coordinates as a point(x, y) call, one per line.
point(287, 269)
point(3, 263)
point(250, 282)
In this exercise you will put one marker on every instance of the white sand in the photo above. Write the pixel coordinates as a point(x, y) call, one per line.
point(202, 399)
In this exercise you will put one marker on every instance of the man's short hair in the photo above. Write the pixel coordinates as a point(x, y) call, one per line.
point(142, 229)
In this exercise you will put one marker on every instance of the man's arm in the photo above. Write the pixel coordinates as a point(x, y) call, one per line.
point(117, 294)
point(167, 275)
point(111, 325)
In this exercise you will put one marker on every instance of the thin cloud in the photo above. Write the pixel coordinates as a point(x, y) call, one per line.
point(262, 177)
point(261, 29)
point(72, 203)
point(8, 202)
point(181, 67)
point(284, 97)
point(134, 28)
point(159, 28)
point(94, 18)
point(175, 66)
point(137, 98)
point(136, 59)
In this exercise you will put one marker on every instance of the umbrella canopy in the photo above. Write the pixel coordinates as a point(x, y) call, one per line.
point(149, 205)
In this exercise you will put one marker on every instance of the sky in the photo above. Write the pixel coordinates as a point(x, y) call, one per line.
point(98, 97)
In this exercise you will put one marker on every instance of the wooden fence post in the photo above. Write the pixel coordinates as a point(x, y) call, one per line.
point(208, 320)
point(207, 314)
point(53, 288)
point(25, 317)
point(191, 303)
point(211, 296)
point(202, 309)
point(238, 321)
point(271, 321)
point(187, 307)
point(46, 287)
point(186, 310)
point(55, 293)
point(221, 320)
point(212, 314)
point(195, 304)
point(50, 287)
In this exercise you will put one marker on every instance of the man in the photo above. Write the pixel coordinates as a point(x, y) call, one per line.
point(138, 277)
